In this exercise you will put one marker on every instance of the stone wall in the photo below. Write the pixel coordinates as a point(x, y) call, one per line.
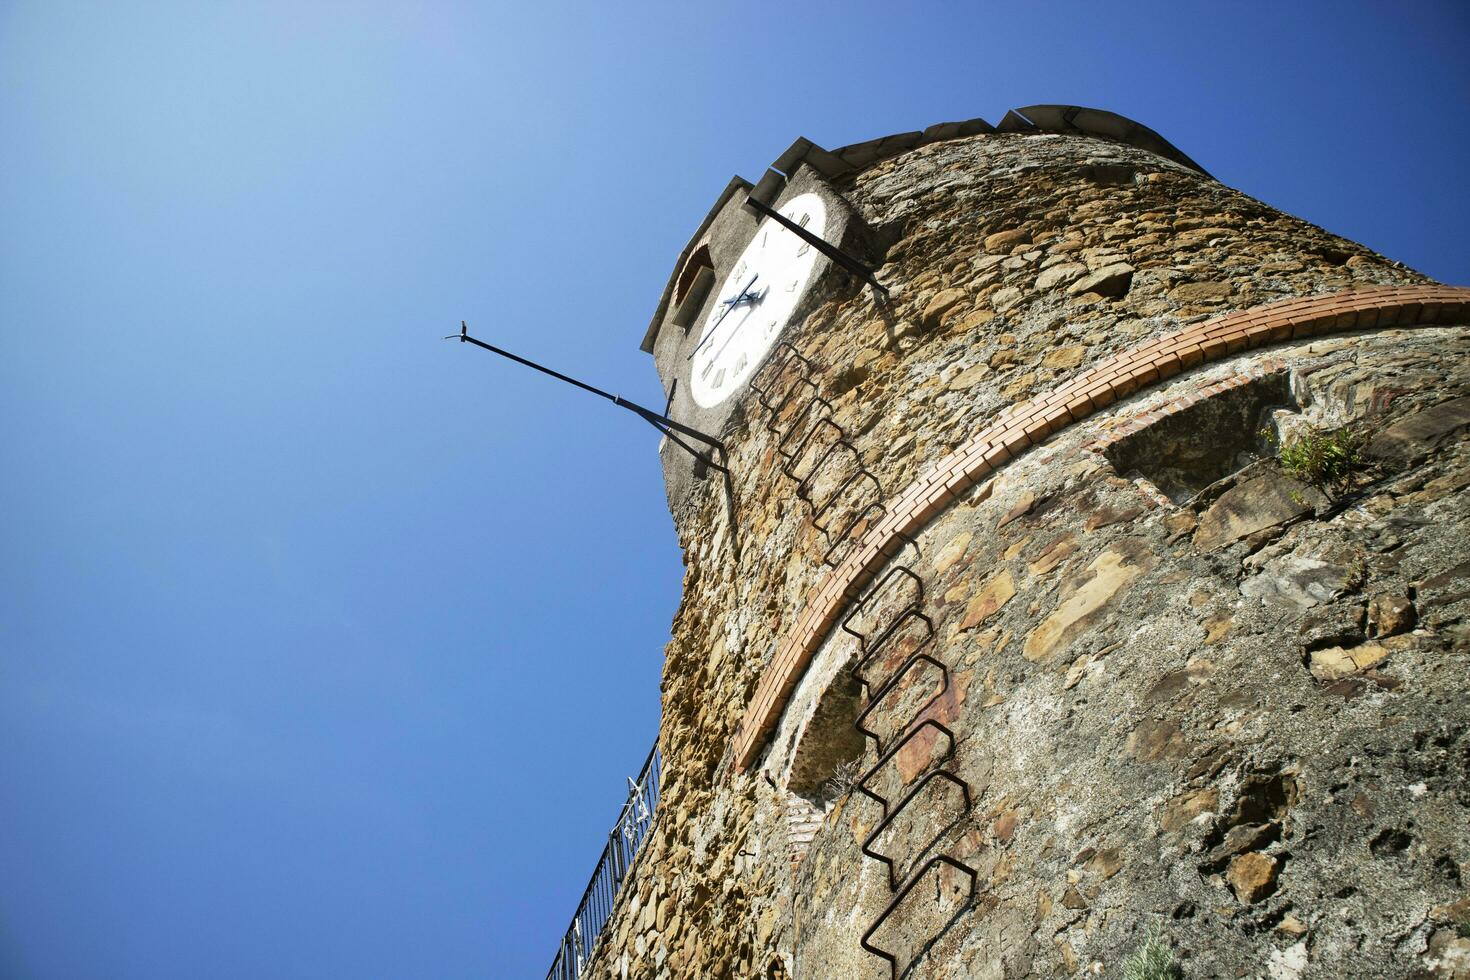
point(1234, 715)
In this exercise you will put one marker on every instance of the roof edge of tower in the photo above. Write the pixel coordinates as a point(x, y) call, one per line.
point(854, 158)
point(651, 334)
point(1083, 121)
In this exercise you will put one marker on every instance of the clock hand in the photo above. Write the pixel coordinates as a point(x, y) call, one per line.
point(748, 298)
point(754, 299)
point(730, 304)
point(740, 296)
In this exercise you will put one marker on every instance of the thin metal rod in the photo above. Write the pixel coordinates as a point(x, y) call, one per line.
point(660, 422)
point(730, 304)
point(668, 433)
point(859, 269)
point(866, 941)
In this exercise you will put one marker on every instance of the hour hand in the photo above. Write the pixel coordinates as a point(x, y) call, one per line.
point(728, 304)
point(750, 297)
point(736, 300)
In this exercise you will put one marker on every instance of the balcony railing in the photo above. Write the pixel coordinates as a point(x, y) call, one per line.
point(611, 872)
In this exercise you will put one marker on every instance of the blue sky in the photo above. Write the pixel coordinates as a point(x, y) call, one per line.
point(325, 646)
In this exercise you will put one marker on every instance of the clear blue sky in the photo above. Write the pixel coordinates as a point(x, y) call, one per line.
point(325, 646)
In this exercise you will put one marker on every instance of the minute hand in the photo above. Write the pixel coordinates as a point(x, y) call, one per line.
point(754, 299)
point(730, 304)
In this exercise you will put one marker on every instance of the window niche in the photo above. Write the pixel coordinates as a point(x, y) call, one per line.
point(695, 280)
point(830, 745)
point(824, 751)
point(1209, 437)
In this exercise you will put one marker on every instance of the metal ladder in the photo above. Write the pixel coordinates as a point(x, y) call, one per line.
point(811, 444)
point(879, 638)
point(809, 440)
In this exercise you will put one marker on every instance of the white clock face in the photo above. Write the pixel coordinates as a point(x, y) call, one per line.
point(755, 302)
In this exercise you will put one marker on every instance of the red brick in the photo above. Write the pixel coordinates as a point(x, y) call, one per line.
point(974, 452)
point(1236, 342)
point(1434, 310)
point(1453, 312)
point(1391, 314)
point(1192, 330)
point(1059, 415)
point(1074, 384)
point(1125, 386)
point(979, 470)
point(1102, 396)
point(1080, 407)
point(893, 546)
point(1276, 331)
point(1037, 429)
point(1214, 348)
point(927, 510)
point(1167, 363)
point(1014, 441)
point(1144, 374)
point(1192, 355)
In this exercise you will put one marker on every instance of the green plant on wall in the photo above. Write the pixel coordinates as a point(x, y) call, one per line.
point(1153, 960)
point(1329, 460)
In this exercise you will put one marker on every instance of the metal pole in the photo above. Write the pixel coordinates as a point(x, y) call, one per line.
point(832, 252)
point(660, 422)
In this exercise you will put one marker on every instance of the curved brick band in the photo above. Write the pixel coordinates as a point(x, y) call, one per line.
point(1028, 423)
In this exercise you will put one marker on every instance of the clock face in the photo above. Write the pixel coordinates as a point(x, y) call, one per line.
point(755, 302)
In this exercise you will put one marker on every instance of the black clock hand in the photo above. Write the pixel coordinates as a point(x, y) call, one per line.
point(754, 299)
point(730, 304)
point(736, 300)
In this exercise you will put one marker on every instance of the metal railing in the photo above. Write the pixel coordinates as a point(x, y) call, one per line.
point(612, 871)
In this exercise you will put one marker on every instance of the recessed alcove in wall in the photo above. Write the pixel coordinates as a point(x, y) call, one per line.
point(829, 742)
point(694, 283)
point(820, 743)
point(1201, 438)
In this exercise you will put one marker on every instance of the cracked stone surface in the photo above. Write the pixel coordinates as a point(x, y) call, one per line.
point(1238, 719)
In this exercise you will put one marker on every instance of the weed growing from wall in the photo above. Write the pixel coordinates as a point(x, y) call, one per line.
point(1327, 460)
point(844, 778)
point(1153, 960)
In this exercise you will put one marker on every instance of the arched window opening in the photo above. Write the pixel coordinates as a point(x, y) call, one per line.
point(693, 286)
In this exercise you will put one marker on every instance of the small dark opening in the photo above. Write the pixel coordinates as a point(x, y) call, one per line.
point(1114, 174)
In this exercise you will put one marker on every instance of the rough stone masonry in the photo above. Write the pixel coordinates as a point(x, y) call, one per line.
point(1175, 692)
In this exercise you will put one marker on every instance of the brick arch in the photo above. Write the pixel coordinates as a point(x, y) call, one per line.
point(1030, 422)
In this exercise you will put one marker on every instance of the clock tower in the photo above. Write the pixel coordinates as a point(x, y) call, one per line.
point(741, 285)
point(1085, 583)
